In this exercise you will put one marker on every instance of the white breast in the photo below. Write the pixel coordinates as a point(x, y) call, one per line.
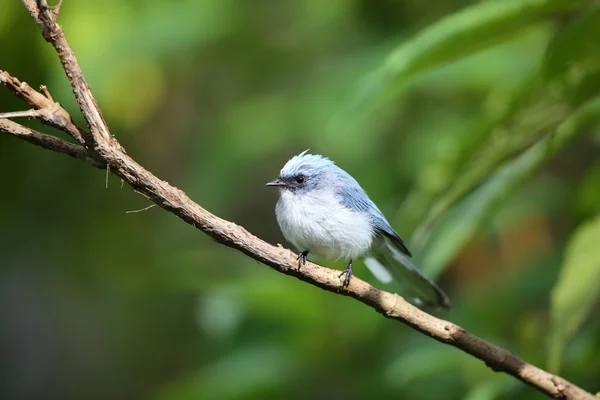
point(317, 222)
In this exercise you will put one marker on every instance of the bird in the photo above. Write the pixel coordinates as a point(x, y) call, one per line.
point(323, 210)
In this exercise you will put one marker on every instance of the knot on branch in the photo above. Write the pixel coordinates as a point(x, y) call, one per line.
point(560, 387)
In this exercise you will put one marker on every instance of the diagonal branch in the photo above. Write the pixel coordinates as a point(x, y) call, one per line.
point(103, 146)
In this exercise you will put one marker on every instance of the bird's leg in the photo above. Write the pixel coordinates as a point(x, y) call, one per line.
point(302, 258)
point(348, 273)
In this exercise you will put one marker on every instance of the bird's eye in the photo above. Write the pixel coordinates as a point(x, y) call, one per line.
point(300, 179)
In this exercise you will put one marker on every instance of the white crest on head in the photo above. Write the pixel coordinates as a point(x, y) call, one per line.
point(305, 163)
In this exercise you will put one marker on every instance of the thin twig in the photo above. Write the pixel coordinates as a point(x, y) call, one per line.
point(106, 148)
point(45, 92)
point(56, 10)
point(49, 112)
point(46, 141)
point(141, 209)
point(21, 114)
point(140, 193)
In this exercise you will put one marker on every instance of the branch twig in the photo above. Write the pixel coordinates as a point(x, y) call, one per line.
point(21, 114)
point(140, 210)
point(43, 105)
point(46, 141)
point(104, 147)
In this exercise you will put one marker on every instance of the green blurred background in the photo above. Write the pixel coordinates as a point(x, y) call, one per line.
point(473, 125)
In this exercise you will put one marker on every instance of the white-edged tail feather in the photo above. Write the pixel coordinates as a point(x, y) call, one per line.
point(378, 270)
point(394, 264)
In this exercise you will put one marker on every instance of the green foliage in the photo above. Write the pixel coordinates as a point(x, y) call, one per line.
point(573, 60)
point(458, 35)
point(577, 290)
point(475, 128)
point(462, 220)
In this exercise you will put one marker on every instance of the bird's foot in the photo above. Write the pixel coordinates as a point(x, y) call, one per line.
point(302, 258)
point(348, 275)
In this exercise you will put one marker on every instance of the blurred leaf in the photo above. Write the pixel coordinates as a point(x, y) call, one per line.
point(500, 67)
point(575, 45)
point(505, 141)
point(460, 34)
point(456, 152)
point(462, 220)
point(577, 289)
point(573, 59)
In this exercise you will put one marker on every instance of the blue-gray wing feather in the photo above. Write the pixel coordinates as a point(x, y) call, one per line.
point(353, 196)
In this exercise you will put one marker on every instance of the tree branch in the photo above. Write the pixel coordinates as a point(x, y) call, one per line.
point(102, 146)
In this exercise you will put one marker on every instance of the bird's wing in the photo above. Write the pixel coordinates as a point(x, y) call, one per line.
point(353, 196)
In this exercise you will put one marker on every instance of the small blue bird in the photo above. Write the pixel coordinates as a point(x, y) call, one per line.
point(323, 210)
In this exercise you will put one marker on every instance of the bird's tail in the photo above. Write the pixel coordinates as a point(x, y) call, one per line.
point(385, 262)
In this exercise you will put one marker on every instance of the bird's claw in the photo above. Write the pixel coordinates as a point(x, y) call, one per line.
point(348, 275)
point(302, 258)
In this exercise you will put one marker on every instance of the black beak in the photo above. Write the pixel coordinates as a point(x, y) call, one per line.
point(276, 182)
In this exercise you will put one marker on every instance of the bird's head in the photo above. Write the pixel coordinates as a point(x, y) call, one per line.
point(303, 173)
